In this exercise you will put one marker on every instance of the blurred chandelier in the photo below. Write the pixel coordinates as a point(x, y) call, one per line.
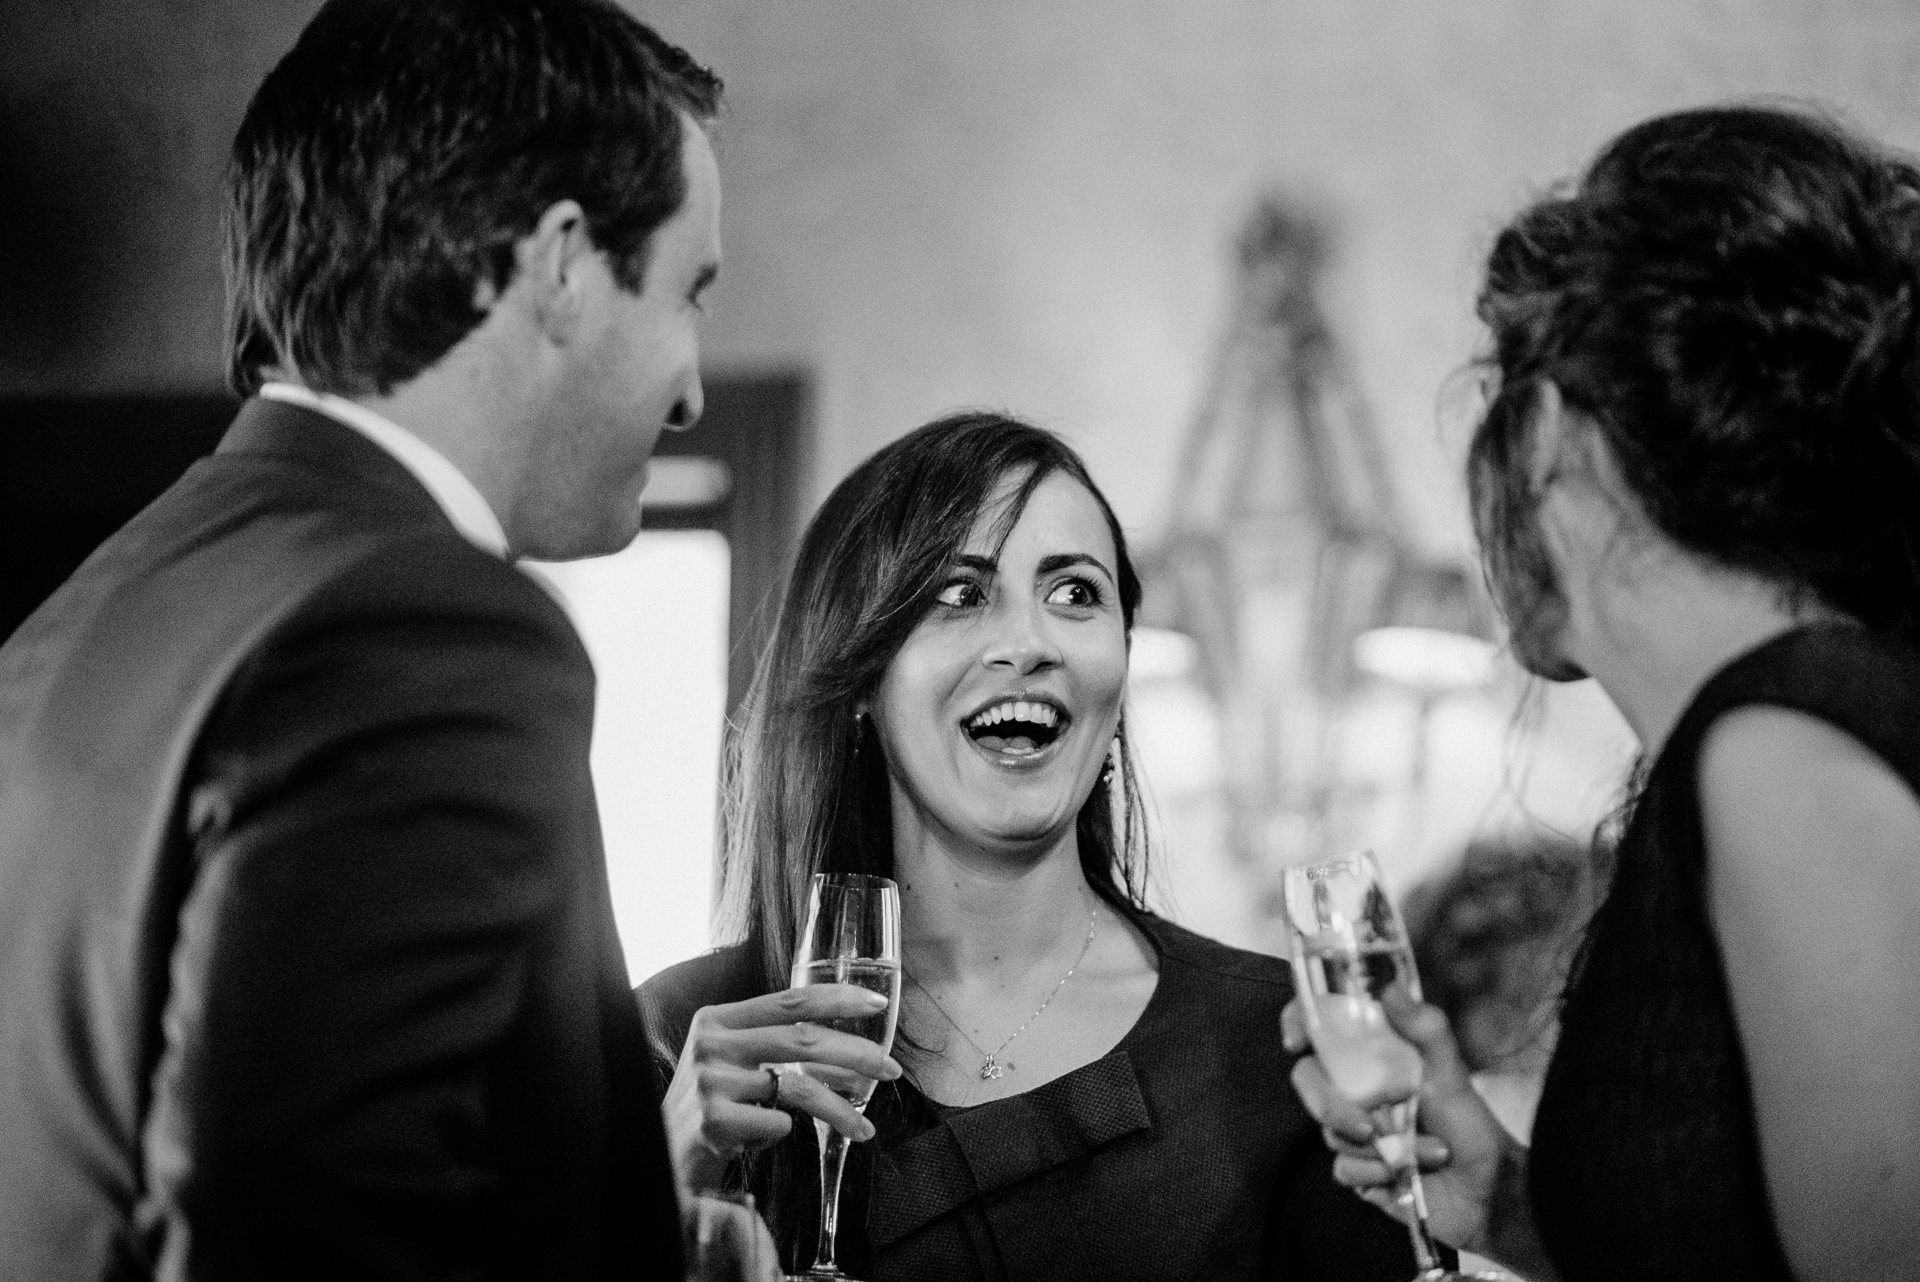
point(1286, 548)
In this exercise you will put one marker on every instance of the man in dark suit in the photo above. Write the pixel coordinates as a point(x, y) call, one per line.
point(307, 963)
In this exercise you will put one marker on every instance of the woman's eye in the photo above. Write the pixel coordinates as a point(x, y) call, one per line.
point(1077, 593)
point(959, 594)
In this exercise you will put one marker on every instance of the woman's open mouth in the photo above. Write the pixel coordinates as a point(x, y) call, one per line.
point(1018, 728)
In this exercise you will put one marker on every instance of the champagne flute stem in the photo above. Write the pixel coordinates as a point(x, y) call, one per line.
point(1426, 1254)
point(1396, 1124)
point(833, 1164)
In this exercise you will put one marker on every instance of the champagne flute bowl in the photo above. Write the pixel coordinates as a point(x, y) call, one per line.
point(1348, 947)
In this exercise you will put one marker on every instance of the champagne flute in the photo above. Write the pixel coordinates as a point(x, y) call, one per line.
point(1348, 947)
point(852, 936)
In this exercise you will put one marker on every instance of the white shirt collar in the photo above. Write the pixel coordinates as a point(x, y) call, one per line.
point(464, 505)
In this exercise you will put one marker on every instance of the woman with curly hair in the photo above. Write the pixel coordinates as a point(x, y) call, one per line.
point(1697, 480)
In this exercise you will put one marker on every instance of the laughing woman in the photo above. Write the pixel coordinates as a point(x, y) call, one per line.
point(1088, 1091)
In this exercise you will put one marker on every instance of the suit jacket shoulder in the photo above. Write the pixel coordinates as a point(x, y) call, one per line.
point(669, 1000)
point(287, 732)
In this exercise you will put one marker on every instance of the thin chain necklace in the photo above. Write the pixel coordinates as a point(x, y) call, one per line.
point(991, 1070)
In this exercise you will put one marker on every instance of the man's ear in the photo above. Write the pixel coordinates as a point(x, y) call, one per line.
point(550, 270)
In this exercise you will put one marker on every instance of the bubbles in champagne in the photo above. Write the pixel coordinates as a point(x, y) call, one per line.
point(1364, 1058)
point(881, 977)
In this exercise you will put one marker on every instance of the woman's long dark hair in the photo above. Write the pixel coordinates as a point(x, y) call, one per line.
point(1731, 295)
point(805, 783)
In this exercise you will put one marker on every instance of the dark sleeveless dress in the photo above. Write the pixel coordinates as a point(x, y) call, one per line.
point(1645, 1159)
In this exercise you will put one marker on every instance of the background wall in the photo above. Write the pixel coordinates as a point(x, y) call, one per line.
point(115, 118)
point(1026, 202)
point(1015, 202)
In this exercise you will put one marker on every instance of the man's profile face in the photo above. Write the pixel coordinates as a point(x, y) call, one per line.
point(633, 369)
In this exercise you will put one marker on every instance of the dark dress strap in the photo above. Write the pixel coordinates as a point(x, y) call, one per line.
point(1851, 677)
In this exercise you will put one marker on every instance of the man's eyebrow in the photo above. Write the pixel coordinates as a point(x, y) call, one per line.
point(1064, 560)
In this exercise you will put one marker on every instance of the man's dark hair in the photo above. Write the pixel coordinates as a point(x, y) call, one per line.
point(390, 162)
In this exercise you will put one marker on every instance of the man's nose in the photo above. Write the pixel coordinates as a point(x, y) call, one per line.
point(687, 410)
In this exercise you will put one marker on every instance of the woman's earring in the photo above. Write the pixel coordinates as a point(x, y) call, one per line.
point(1113, 757)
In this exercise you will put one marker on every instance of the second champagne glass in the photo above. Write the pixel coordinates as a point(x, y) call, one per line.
point(851, 936)
point(1348, 947)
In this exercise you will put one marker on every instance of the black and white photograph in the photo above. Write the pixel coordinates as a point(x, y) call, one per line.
point(960, 640)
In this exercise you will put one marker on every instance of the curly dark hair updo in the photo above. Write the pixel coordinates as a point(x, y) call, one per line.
point(1729, 295)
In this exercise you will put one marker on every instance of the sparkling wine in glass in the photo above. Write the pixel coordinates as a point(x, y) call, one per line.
point(851, 936)
point(1349, 946)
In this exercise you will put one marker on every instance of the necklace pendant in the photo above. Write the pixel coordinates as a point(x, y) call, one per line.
point(991, 1071)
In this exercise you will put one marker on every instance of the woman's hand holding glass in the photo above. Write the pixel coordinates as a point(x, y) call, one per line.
point(1462, 1150)
point(1381, 1060)
point(722, 1103)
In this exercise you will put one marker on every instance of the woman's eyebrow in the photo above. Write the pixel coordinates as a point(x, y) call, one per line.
point(1062, 560)
point(974, 561)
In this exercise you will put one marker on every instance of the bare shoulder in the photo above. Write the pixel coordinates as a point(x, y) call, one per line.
point(1813, 883)
point(1773, 779)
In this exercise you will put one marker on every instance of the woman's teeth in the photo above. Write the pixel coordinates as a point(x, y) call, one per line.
point(1015, 727)
point(1042, 714)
